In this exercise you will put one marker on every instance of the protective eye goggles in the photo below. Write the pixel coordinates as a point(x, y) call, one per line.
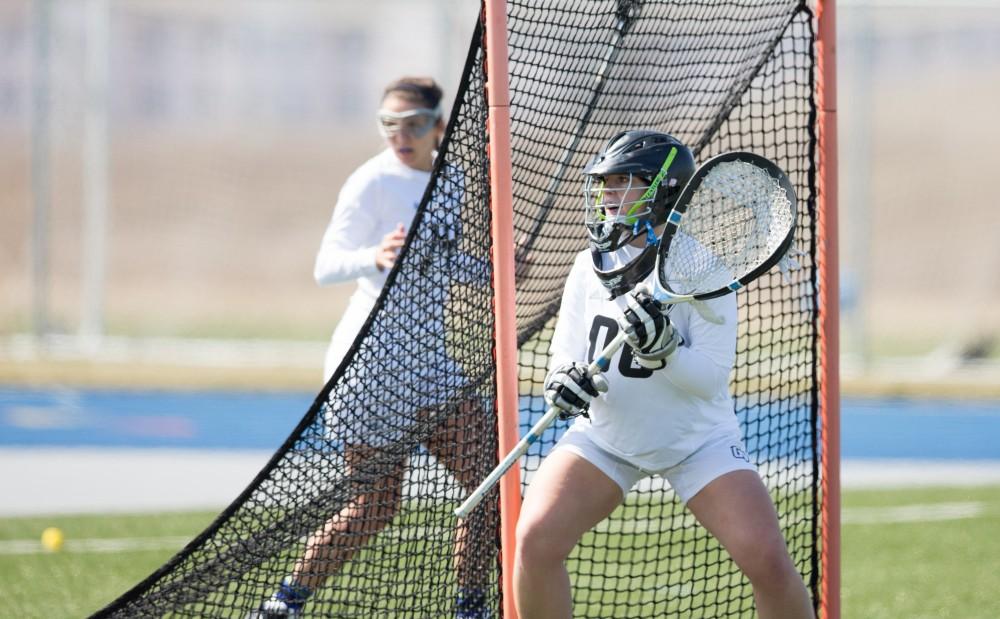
point(415, 123)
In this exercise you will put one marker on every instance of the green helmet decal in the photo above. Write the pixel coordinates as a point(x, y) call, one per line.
point(655, 183)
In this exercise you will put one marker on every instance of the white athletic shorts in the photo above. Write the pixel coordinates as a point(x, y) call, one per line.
point(721, 453)
point(401, 398)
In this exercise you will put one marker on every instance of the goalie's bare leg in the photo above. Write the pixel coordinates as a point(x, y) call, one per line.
point(737, 510)
point(567, 497)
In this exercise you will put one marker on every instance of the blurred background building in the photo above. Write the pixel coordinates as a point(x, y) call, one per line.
point(168, 168)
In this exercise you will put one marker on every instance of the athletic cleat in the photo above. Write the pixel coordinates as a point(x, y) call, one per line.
point(286, 602)
point(275, 609)
point(471, 604)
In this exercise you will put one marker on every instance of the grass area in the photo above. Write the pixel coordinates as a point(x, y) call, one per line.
point(85, 575)
point(938, 561)
point(915, 553)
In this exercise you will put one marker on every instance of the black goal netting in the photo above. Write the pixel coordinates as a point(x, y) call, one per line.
point(360, 495)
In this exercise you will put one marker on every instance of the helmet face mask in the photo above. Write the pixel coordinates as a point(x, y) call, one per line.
point(612, 219)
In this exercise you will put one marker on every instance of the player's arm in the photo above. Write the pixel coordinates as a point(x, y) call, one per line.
point(349, 249)
point(567, 345)
point(388, 248)
point(699, 362)
point(567, 385)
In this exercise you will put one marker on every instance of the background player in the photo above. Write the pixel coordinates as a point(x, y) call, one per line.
point(365, 234)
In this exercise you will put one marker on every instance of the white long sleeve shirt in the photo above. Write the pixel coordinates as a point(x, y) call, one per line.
point(377, 197)
point(652, 418)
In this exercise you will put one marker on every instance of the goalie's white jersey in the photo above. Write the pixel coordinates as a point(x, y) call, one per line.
point(651, 418)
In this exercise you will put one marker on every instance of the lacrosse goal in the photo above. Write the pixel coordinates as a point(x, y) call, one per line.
point(459, 337)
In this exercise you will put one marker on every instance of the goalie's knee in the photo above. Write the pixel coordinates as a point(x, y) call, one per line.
point(541, 543)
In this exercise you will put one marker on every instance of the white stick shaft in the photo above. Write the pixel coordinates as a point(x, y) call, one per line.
point(599, 365)
point(519, 450)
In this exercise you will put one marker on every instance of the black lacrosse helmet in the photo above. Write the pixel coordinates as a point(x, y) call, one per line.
point(658, 163)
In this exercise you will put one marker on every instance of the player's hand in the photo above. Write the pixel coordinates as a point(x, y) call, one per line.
point(648, 330)
point(570, 389)
point(388, 249)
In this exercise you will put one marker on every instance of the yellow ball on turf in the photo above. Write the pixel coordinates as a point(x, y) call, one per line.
point(52, 539)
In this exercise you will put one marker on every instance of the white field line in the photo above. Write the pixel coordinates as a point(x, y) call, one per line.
point(928, 512)
point(123, 544)
point(194, 352)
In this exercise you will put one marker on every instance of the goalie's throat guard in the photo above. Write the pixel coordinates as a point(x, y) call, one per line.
point(620, 281)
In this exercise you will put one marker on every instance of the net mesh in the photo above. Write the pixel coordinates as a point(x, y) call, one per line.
point(737, 220)
point(720, 76)
point(363, 488)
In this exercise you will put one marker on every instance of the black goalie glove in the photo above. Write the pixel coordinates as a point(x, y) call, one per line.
point(570, 389)
point(648, 330)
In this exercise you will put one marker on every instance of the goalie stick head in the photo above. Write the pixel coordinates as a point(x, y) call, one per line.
point(654, 167)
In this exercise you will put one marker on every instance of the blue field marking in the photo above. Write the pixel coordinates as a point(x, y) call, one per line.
point(119, 418)
point(930, 429)
point(69, 417)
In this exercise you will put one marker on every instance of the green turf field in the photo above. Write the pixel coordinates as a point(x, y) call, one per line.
point(921, 554)
point(926, 553)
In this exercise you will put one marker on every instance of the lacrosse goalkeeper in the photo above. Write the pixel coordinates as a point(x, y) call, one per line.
point(663, 407)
